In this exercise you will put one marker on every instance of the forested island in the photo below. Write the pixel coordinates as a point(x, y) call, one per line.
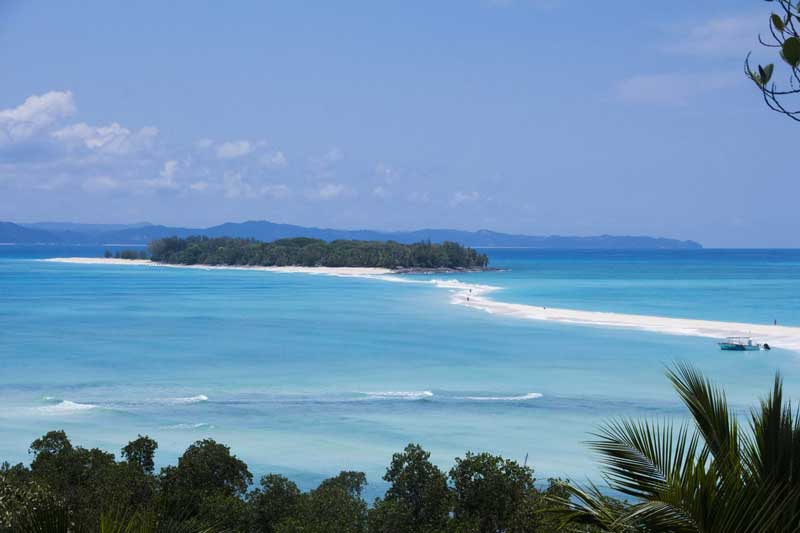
point(302, 251)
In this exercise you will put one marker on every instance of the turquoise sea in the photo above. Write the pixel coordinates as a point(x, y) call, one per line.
point(307, 375)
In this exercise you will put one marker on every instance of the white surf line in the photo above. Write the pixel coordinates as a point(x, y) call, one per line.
point(475, 296)
point(785, 337)
point(329, 271)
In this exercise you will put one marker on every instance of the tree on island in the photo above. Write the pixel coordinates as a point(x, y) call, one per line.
point(307, 252)
point(783, 36)
point(130, 254)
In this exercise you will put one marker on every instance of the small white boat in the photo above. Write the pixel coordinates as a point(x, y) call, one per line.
point(741, 344)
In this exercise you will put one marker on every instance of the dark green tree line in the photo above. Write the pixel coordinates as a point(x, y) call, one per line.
point(314, 252)
point(71, 488)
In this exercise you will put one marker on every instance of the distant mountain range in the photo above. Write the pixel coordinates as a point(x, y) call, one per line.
point(143, 233)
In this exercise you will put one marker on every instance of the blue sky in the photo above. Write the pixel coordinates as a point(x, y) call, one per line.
point(530, 116)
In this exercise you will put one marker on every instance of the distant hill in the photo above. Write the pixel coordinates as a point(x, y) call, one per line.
point(16, 234)
point(70, 233)
point(82, 228)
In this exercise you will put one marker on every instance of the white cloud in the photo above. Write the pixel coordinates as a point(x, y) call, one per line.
point(166, 179)
point(330, 190)
point(322, 167)
point(39, 115)
point(35, 114)
point(234, 149)
point(380, 192)
point(107, 156)
point(460, 197)
point(100, 184)
point(112, 139)
point(275, 191)
point(729, 35)
point(274, 160)
point(673, 88)
point(160, 184)
point(235, 185)
point(170, 168)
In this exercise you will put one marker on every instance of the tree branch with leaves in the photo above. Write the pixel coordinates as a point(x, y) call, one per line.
point(784, 36)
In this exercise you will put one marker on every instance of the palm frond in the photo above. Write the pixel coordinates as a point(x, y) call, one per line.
point(709, 408)
point(773, 451)
point(656, 515)
point(641, 457)
point(47, 520)
point(588, 507)
point(710, 478)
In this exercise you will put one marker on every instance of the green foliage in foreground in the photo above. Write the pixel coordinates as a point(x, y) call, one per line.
point(712, 476)
point(314, 252)
point(68, 488)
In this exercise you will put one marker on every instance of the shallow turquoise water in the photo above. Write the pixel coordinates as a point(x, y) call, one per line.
point(307, 375)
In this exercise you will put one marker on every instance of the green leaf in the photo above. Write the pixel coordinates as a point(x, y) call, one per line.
point(777, 22)
point(765, 74)
point(791, 51)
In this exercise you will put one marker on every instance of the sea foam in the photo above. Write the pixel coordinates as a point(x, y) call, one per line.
point(399, 395)
point(198, 425)
point(190, 399)
point(66, 407)
point(529, 396)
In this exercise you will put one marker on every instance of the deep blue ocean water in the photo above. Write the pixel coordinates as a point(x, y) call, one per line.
point(307, 375)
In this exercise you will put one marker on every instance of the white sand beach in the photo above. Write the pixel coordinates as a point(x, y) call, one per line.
point(476, 296)
point(329, 271)
point(783, 337)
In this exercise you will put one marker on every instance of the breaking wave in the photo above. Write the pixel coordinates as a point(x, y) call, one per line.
point(399, 395)
point(65, 407)
point(199, 425)
point(529, 396)
point(190, 399)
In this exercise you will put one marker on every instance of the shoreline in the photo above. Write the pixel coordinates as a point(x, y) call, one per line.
point(349, 271)
point(778, 337)
point(476, 296)
point(330, 271)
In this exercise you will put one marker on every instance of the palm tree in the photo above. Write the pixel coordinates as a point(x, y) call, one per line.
point(712, 475)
